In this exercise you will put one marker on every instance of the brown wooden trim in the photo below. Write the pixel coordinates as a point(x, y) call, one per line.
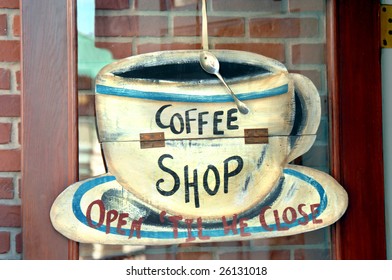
point(49, 121)
point(333, 110)
point(73, 126)
point(357, 130)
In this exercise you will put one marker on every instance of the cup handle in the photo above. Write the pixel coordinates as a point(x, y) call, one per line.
point(307, 116)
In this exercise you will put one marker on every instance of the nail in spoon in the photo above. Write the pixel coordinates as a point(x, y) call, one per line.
point(210, 64)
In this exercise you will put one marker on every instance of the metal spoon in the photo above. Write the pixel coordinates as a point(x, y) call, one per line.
point(210, 64)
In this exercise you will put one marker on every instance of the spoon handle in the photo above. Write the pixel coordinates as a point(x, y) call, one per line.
point(240, 105)
point(204, 31)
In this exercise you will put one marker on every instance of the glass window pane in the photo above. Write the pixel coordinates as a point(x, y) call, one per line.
point(290, 31)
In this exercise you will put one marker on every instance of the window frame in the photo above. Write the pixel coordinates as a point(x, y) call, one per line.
point(50, 126)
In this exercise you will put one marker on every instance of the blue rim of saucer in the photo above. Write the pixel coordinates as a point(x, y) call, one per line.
point(212, 232)
point(200, 98)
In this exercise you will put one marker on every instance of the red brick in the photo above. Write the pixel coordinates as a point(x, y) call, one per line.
point(6, 188)
point(5, 133)
point(131, 26)
point(308, 53)
point(5, 76)
point(312, 254)
point(151, 5)
point(19, 243)
point(16, 25)
point(223, 245)
point(306, 5)
point(159, 5)
point(10, 216)
point(9, 51)
point(256, 255)
point(86, 105)
point(9, 4)
point(193, 251)
point(314, 75)
point(276, 51)
point(283, 27)
point(3, 24)
point(162, 256)
point(5, 243)
point(111, 5)
point(118, 50)
point(313, 237)
point(84, 83)
point(217, 26)
point(297, 239)
point(10, 160)
point(145, 48)
point(265, 6)
point(10, 105)
point(194, 256)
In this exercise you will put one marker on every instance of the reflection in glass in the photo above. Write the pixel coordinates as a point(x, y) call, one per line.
point(292, 32)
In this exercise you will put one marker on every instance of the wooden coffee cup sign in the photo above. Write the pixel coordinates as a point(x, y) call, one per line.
point(184, 165)
point(198, 146)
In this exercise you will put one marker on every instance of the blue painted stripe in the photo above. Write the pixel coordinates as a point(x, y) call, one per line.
point(87, 186)
point(175, 97)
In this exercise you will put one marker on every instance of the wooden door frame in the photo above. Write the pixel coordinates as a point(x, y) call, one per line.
point(49, 121)
point(356, 119)
point(50, 138)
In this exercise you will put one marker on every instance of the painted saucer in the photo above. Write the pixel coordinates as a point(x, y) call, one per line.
point(100, 210)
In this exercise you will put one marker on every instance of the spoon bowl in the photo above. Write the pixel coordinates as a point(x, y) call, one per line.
point(210, 64)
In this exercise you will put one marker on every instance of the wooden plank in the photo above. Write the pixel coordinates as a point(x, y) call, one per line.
point(357, 130)
point(49, 118)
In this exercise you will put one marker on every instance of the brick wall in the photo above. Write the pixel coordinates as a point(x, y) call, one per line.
point(10, 146)
point(291, 31)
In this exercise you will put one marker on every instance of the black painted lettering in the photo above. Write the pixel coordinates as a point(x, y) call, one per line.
point(201, 122)
point(217, 180)
point(217, 121)
point(158, 114)
point(188, 120)
point(180, 122)
point(227, 174)
point(176, 179)
point(231, 117)
point(193, 185)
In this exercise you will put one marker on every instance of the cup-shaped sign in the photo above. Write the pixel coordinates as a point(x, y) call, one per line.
point(172, 135)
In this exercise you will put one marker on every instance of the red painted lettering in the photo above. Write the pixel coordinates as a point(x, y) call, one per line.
point(162, 216)
point(262, 219)
point(174, 220)
point(232, 227)
point(305, 216)
point(200, 230)
point(243, 225)
point(293, 215)
point(136, 225)
point(121, 222)
point(101, 208)
point(279, 227)
point(189, 229)
point(315, 213)
point(111, 216)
